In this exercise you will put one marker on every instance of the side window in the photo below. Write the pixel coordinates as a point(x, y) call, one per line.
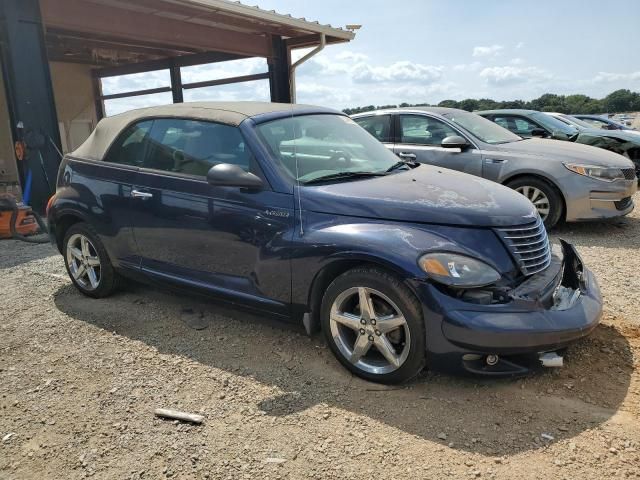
point(192, 147)
point(422, 130)
point(130, 147)
point(377, 125)
point(502, 122)
point(596, 123)
point(518, 125)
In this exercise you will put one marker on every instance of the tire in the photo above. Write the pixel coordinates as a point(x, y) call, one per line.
point(529, 185)
point(389, 296)
point(104, 280)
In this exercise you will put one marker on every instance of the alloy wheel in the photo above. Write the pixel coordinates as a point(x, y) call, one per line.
point(538, 198)
point(84, 262)
point(369, 330)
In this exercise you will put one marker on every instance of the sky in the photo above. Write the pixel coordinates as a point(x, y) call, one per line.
point(425, 51)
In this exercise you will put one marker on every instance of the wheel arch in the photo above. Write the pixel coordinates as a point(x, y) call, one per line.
point(64, 221)
point(544, 178)
point(336, 267)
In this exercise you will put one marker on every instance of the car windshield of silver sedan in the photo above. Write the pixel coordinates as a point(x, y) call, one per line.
point(481, 128)
point(326, 147)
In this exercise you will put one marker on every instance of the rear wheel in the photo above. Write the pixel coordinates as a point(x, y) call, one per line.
point(374, 326)
point(87, 262)
point(544, 196)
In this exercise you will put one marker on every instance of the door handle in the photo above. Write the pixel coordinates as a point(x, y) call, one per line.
point(407, 156)
point(139, 194)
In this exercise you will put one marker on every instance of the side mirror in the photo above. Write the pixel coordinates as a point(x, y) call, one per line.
point(228, 175)
point(559, 135)
point(455, 141)
point(538, 132)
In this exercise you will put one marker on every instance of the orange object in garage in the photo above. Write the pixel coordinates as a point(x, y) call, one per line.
point(25, 222)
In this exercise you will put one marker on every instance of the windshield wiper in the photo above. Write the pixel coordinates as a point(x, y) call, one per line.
point(402, 163)
point(343, 176)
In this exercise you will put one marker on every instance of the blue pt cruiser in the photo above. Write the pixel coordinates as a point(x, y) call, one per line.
point(297, 211)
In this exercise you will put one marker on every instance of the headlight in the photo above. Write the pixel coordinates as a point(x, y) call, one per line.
point(457, 270)
point(607, 174)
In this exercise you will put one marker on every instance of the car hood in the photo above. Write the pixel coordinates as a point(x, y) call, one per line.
point(425, 194)
point(565, 151)
point(619, 134)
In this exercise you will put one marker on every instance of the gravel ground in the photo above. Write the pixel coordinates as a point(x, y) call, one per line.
point(80, 378)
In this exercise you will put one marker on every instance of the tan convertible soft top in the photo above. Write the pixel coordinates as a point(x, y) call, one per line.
point(230, 113)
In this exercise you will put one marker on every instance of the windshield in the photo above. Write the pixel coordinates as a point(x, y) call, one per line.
point(481, 128)
point(308, 147)
point(576, 122)
point(553, 124)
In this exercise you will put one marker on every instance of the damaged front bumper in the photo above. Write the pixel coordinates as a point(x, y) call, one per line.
point(545, 313)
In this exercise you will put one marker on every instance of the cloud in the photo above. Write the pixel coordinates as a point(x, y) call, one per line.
point(509, 75)
point(352, 56)
point(516, 61)
point(605, 77)
point(519, 45)
point(396, 72)
point(491, 51)
point(467, 67)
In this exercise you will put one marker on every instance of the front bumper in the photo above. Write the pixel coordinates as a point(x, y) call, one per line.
point(547, 312)
point(599, 200)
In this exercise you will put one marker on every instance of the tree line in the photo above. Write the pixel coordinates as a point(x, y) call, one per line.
point(616, 102)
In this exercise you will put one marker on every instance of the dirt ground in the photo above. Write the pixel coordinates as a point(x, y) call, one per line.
point(80, 379)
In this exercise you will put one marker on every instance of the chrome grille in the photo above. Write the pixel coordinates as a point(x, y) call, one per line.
point(529, 246)
point(629, 173)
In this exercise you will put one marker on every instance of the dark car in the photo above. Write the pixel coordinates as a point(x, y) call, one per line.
point(298, 212)
point(605, 123)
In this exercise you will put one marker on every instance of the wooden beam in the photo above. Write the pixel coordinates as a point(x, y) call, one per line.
point(176, 84)
point(226, 81)
point(312, 40)
point(97, 97)
point(92, 18)
point(136, 93)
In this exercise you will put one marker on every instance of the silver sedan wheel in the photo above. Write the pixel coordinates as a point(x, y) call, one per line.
point(538, 198)
point(84, 262)
point(369, 330)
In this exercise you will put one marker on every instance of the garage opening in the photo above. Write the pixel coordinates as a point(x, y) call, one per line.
point(68, 63)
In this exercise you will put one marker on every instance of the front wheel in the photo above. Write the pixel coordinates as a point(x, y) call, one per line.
point(374, 326)
point(544, 196)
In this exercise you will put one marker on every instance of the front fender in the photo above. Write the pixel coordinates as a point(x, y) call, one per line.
point(329, 240)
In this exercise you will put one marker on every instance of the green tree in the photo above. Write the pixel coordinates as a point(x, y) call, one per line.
point(468, 104)
point(448, 104)
point(622, 100)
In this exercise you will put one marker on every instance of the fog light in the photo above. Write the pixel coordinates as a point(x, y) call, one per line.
point(492, 360)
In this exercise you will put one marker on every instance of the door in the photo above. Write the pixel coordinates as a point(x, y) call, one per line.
point(225, 240)
point(420, 138)
point(379, 126)
point(111, 183)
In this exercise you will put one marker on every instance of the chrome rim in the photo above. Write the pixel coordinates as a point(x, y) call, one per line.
point(369, 330)
point(538, 198)
point(83, 261)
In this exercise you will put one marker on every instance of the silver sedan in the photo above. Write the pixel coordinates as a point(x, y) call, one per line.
point(565, 181)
